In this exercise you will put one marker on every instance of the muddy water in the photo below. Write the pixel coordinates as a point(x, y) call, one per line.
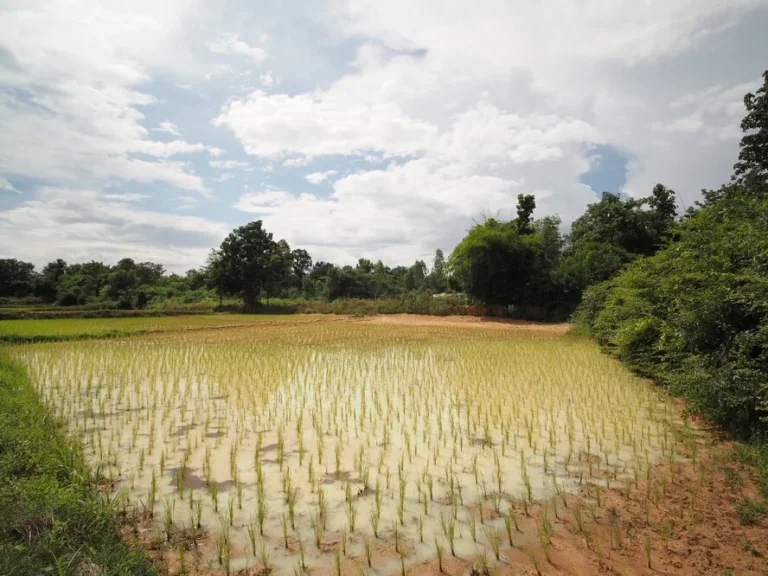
point(432, 430)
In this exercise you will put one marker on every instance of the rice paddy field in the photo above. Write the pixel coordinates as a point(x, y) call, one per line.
point(357, 446)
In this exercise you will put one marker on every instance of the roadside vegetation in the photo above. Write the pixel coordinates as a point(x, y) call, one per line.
point(694, 316)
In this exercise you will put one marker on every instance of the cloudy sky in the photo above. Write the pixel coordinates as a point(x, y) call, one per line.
point(383, 129)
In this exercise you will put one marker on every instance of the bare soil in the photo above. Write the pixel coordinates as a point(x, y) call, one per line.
point(468, 322)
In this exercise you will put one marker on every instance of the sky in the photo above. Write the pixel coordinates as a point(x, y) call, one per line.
point(353, 128)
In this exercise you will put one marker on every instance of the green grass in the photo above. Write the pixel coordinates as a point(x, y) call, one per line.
point(26, 331)
point(755, 454)
point(52, 519)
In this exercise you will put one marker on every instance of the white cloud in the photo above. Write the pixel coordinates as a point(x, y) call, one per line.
point(81, 225)
point(224, 177)
point(228, 164)
point(320, 177)
point(266, 79)
point(231, 44)
point(322, 123)
point(6, 186)
point(127, 197)
point(714, 112)
point(70, 110)
point(297, 162)
point(168, 127)
point(444, 112)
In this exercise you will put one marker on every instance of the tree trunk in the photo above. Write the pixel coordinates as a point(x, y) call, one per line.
point(251, 301)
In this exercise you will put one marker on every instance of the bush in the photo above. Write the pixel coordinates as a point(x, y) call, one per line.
point(694, 317)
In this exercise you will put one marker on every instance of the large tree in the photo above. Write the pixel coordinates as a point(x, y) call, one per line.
point(250, 262)
point(493, 263)
point(752, 167)
point(638, 226)
point(16, 277)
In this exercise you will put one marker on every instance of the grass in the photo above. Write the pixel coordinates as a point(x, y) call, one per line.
point(750, 511)
point(52, 519)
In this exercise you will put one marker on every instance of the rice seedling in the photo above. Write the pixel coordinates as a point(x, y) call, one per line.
point(374, 518)
point(508, 528)
point(472, 526)
point(439, 553)
point(168, 511)
point(494, 540)
point(285, 527)
point(264, 557)
point(367, 547)
point(648, 550)
point(325, 412)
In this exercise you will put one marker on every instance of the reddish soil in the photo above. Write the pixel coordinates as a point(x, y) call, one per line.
point(467, 322)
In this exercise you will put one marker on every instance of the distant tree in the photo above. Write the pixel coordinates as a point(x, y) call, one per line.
point(628, 223)
point(438, 266)
point(586, 263)
point(526, 204)
point(302, 263)
point(493, 264)
point(49, 279)
point(752, 167)
point(16, 277)
point(414, 279)
point(364, 265)
point(149, 273)
point(437, 281)
point(248, 262)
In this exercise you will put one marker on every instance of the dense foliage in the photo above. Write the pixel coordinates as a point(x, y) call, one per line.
point(694, 317)
point(526, 265)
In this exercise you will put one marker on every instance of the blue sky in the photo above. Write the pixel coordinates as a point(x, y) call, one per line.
point(353, 129)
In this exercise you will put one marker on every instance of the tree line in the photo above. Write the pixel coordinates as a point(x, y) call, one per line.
point(525, 265)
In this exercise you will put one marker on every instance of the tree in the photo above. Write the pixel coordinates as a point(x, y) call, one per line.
point(526, 204)
point(302, 263)
point(49, 279)
point(414, 279)
point(628, 223)
point(438, 266)
point(752, 167)
point(586, 263)
point(149, 273)
point(493, 264)
point(248, 262)
point(16, 277)
point(437, 281)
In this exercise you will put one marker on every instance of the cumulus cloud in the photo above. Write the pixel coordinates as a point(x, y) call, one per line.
point(231, 44)
point(430, 117)
point(319, 177)
point(70, 110)
point(267, 79)
point(80, 225)
point(321, 124)
point(168, 127)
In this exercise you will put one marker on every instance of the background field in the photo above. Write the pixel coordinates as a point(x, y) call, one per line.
point(64, 328)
